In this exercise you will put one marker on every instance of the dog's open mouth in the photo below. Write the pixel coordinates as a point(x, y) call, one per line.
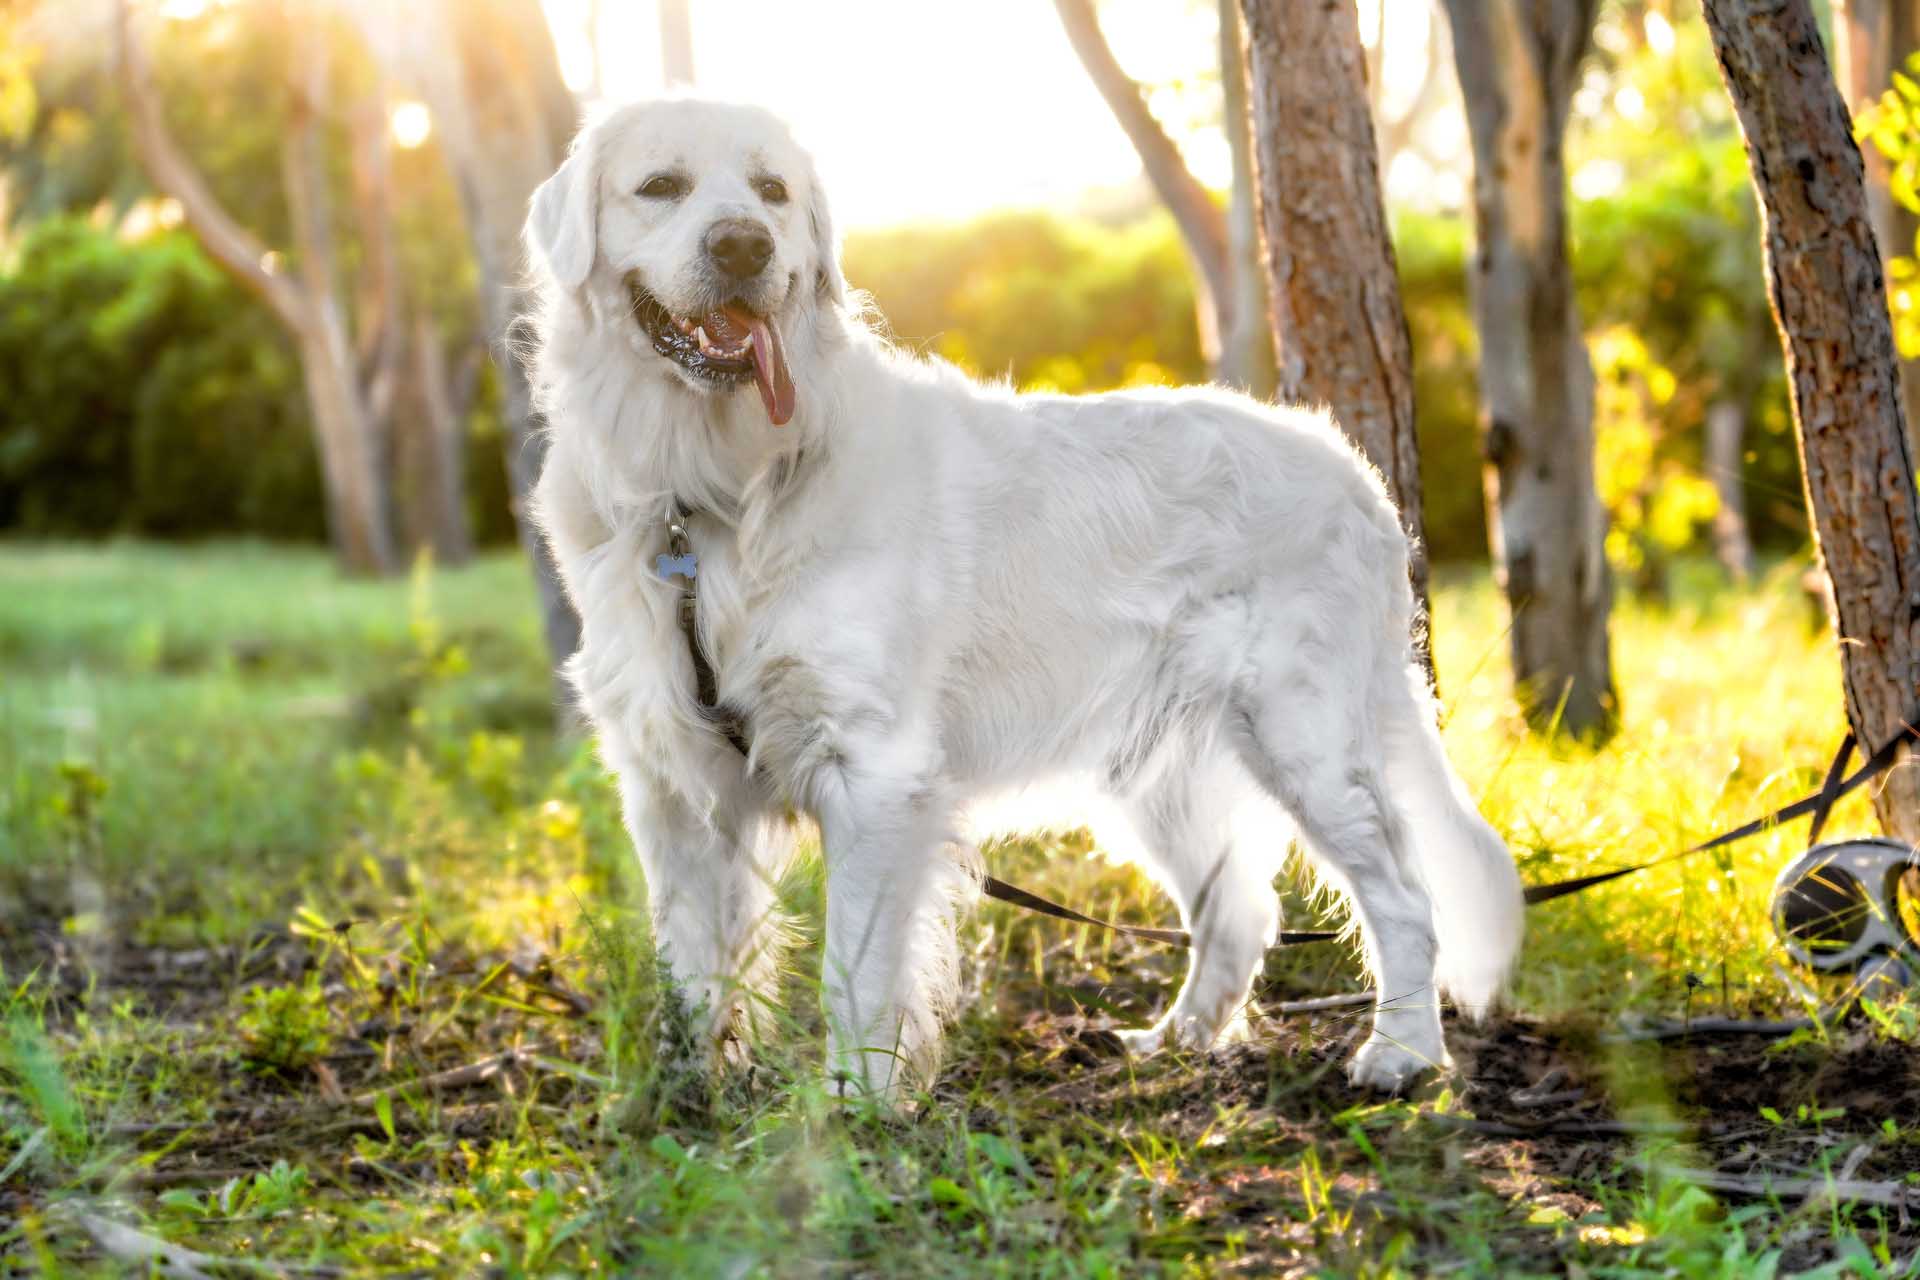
point(725, 346)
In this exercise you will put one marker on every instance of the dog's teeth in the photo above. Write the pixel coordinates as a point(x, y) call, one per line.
point(700, 334)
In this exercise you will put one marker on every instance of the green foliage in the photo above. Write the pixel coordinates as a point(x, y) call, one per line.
point(1658, 507)
point(1039, 300)
point(1892, 125)
point(285, 1028)
point(30, 1059)
point(145, 393)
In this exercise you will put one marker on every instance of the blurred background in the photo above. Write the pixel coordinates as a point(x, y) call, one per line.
point(991, 203)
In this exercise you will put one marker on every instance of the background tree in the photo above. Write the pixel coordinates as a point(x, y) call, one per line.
point(489, 72)
point(1229, 334)
point(676, 43)
point(1824, 276)
point(1246, 345)
point(1339, 333)
point(310, 307)
point(1518, 64)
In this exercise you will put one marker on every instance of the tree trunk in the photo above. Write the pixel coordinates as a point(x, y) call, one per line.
point(489, 73)
point(1203, 227)
point(1339, 332)
point(1246, 347)
point(1726, 451)
point(354, 452)
point(1872, 40)
point(676, 43)
point(1518, 62)
point(350, 468)
point(429, 436)
point(1829, 298)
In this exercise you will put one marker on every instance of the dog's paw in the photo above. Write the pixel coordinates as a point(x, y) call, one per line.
point(1141, 1042)
point(1390, 1066)
point(1194, 1035)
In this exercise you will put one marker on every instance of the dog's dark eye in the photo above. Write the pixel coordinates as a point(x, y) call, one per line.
point(664, 186)
point(772, 190)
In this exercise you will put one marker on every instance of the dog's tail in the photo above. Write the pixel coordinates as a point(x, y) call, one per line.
point(1470, 876)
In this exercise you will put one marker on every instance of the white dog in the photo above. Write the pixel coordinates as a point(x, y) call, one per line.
point(918, 593)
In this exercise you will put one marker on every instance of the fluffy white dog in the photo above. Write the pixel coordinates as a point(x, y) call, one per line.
point(919, 593)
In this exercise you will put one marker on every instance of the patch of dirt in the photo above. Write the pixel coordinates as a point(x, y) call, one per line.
point(1546, 1114)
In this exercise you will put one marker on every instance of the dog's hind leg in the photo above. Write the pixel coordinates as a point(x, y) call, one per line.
point(1221, 878)
point(1306, 730)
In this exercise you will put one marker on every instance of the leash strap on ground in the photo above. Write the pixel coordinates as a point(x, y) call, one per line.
point(996, 888)
point(1820, 804)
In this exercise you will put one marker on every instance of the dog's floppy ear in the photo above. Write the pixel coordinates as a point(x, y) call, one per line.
point(826, 246)
point(563, 224)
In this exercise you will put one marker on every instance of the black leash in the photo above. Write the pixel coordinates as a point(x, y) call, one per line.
point(996, 888)
point(681, 563)
point(1819, 803)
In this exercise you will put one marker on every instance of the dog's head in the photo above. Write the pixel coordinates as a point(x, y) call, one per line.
point(702, 226)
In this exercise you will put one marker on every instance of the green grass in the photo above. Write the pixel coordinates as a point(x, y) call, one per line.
point(318, 950)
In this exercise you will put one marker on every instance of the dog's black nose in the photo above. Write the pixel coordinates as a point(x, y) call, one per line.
point(739, 248)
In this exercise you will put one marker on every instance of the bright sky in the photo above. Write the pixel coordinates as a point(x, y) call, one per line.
point(922, 108)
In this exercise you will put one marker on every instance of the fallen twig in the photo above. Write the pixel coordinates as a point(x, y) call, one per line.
point(1322, 1003)
point(1591, 1128)
point(1888, 1195)
point(131, 1245)
point(457, 1077)
point(560, 1067)
point(1709, 1027)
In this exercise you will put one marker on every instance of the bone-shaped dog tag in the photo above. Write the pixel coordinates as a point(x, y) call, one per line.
point(667, 566)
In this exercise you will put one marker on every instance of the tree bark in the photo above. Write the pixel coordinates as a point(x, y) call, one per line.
point(1829, 299)
point(1333, 290)
point(1518, 62)
point(433, 434)
point(309, 310)
point(1872, 39)
point(1203, 227)
point(1246, 345)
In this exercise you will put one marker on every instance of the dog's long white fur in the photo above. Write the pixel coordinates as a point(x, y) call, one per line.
point(1187, 611)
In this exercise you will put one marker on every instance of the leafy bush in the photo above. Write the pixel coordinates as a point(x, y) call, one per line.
point(144, 393)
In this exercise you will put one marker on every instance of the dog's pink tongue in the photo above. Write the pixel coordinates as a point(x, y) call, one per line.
point(769, 365)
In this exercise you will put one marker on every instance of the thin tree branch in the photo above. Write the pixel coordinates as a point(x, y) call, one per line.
point(1201, 222)
point(230, 245)
point(380, 292)
point(304, 166)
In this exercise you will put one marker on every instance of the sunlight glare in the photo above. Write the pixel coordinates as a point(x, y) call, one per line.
point(921, 111)
point(183, 10)
point(1597, 179)
point(412, 125)
point(1659, 32)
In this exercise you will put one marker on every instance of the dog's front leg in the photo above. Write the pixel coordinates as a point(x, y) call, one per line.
point(711, 875)
point(889, 929)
